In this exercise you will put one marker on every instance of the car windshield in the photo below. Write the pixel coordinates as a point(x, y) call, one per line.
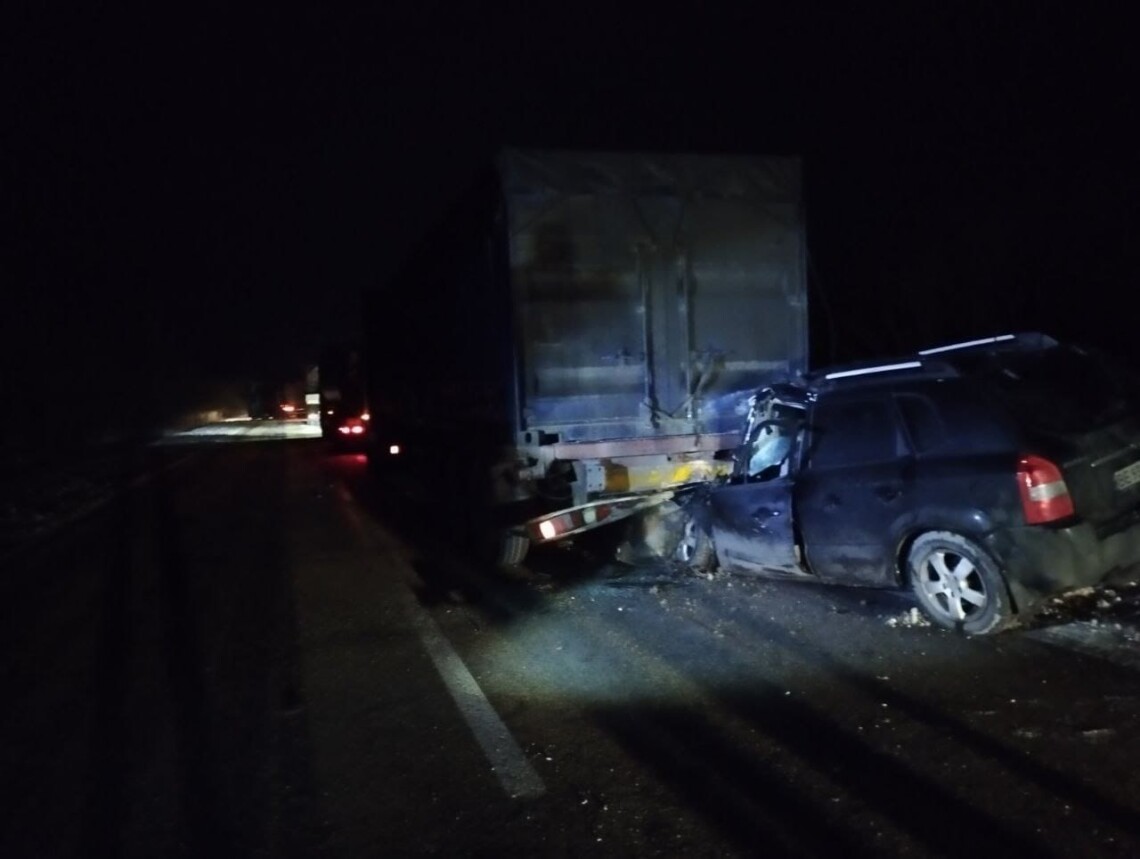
point(768, 449)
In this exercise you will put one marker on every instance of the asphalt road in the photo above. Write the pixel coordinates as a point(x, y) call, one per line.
point(252, 651)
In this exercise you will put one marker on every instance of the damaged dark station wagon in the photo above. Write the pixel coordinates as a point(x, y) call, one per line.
point(985, 476)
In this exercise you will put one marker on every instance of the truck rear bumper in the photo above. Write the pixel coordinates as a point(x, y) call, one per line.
point(585, 517)
point(668, 445)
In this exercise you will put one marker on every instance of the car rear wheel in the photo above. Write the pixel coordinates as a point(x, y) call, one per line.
point(695, 548)
point(958, 584)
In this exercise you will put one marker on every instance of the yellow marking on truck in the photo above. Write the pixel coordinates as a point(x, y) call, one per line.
point(630, 478)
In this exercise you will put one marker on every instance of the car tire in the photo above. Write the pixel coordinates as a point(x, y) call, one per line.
point(695, 547)
point(958, 585)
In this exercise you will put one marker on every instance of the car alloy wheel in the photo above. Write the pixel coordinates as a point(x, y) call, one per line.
point(957, 584)
point(694, 549)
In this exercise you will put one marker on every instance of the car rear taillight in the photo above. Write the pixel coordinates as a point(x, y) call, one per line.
point(1044, 494)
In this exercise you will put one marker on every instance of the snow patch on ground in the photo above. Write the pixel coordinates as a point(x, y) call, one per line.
point(42, 496)
point(42, 492)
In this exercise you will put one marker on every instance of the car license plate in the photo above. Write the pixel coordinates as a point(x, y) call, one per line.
point(1127, 477)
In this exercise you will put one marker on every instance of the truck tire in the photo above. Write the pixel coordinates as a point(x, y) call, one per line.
point(513, 549)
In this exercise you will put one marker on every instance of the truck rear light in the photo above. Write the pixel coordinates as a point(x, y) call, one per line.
point(1044, 493)
point(577, 519)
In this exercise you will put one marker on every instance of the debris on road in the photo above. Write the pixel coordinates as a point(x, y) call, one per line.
point(910, 618)
point(1098, 734)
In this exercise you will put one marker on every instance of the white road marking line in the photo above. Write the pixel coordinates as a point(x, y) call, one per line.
point(507, 759)
point(1103, 642)
point(508, 762)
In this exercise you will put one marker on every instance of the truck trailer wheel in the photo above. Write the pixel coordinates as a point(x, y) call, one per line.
point(513, 548)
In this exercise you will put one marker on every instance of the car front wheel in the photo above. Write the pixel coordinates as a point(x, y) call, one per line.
point(958, 584)
point(695, 547)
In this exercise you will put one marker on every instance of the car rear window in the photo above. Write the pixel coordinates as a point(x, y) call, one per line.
point(950, 419)
point(927, 429)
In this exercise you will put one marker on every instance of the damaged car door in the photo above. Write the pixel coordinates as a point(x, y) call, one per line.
point(751, 518)
point(856, 483)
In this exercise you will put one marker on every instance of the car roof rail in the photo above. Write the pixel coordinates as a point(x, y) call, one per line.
point(1028, 340)
point(939, 362)
point(873, 369)
point(877, 372)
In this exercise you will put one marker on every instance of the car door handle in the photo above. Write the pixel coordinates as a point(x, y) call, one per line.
point(888, 491)
point(763, 513)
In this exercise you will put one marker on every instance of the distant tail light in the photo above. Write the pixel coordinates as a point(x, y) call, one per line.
point(1044, 493)
point(351, 427)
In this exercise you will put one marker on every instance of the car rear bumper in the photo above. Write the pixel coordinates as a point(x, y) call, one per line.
point(1041, 561)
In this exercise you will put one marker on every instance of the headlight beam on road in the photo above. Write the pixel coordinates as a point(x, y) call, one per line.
point(514, 771)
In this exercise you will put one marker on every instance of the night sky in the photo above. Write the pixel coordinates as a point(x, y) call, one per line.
point(202, 196)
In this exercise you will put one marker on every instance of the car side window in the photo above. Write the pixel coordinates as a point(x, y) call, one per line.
point(924, 423)
point(854, 432)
